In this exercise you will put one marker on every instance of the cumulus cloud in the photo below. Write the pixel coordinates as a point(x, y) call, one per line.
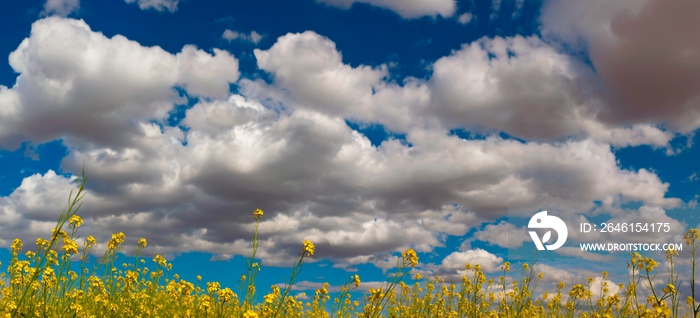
point(503, 234)
point(308, 67)
point(518, 85)
point(528, 89)
point(74, 81)
point(158, 5)
point(649, 65)
point(254, 37)
point(328, 183)
point(205, 75)
point(465, 18)
point(452, 267)
point(314, 176)
point(408, 9)
point(61, 7)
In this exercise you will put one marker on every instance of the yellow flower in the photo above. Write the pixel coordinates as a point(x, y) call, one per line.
point(257, 214)
point(227, 294)
point(75, 220)
point(670, 289)
point(16, 245)
point(323, 290)
point(213, 287)
point(506, 266)
point(670, 253)
point(417, 277)
point(142, 242)
point(410, 256)
point(117, 239)
point(309, 247)
point(70, 246)
point(691, 236)
point(56, 233)
point(159, 260)
point(250, 314)
point(91, 241)
point(356, 280)
point(40, 242)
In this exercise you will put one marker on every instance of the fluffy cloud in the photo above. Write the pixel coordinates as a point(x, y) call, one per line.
point(452, 267)
point(328, 182)
point(518, 85)
point(61, 7)
point(503, 234)
point(526, 88)
point(308, 68)
point(74, 81)
point(649, 65)
point(315, 177)
point(254, 37)
point(158, 5)
point(406, 8)
point(465, 18)
point(204, 75)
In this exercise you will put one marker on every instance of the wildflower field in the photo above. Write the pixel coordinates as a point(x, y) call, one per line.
point(43, 283)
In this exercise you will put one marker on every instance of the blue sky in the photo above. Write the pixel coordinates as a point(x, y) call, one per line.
point(365, 126)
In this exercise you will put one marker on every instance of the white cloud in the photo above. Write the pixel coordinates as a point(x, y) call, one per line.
point(309, 67)
point(571, 20)
point(158, 5)
point(553, 274)
point(503, 234)
point(74, 81)
point(452, 267)
point(408, 9)
point(61, 7)
point(205, 75)
point(526, 88)
point(487, 86)
point(314, 176)
point(465, 18)
point(254, 37)
point(648, 66)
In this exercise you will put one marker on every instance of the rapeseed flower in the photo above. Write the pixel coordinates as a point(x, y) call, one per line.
point(309, 248)
point(75, 221)
point(142, 243)
point(410, 256)
point(116, 240)
point(257, 214)
point(16, 246)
